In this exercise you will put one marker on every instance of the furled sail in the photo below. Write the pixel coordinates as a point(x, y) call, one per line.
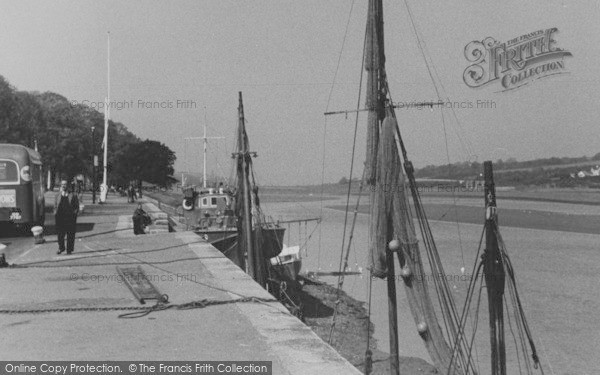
point(392, 221)
point(258, 241)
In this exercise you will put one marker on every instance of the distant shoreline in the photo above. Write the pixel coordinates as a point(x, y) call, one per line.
point(589, 197)
point(517, 218)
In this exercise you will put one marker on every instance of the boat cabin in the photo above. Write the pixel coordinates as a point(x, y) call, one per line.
point(210, 208)
point(208, 199)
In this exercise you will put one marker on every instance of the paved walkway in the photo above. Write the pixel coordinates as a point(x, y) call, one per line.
point(180, 265)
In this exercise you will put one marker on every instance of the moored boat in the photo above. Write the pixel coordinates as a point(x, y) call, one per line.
point(448, 336)
point(231, 218)
point(288, 263)
point(209, 213)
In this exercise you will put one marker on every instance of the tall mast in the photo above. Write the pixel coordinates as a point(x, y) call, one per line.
point(392, 231)
point(499, 276)
point(205, 142)
point(104, 187)
point(381, 224)
point(493, 270)
point(255, 265)
point(374, 64)
point(204, 157)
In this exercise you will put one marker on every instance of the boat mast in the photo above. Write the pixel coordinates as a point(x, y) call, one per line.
point(375, 102)
point(493, 269)
point(499, 276)
point(255, 266)
point(374, 64)
point(204, 156)
point(205, 140)
point(392, 230)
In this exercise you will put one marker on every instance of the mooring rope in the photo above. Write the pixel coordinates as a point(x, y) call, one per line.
point(141, 311)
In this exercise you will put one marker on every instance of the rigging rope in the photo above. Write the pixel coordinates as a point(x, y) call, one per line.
point(462, 348)
point(431, 68)
point(522, 328)
point(512, 284)
point(341, 276)
point(325, 124)
point(368, 352)
point(342, 269)
point(442, 289)
point(445, 298)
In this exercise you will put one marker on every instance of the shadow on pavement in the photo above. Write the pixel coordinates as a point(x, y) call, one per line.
point(50, 230)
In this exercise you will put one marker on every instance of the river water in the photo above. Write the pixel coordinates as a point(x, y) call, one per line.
point(557, 274)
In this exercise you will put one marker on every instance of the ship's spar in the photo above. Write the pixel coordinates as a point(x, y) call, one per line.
point(256, 264)
point(393, 234)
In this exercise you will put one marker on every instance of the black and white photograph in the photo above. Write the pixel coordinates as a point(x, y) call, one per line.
point(299, 187)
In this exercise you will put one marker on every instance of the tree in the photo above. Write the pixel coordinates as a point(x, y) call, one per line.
point(65, 139)
point(119, 142)
point(149, 161)
point(63, 132)
point(66, 144)
point(7, 107)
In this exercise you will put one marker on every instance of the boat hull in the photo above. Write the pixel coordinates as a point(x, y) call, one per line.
point(269, 240)
point(289, 270)
point(288, 263)
point(221, 239)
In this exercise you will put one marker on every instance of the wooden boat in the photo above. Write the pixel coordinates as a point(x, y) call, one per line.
point(231, 218)
point(288, 263)
point(209, 213)
point(394, 238)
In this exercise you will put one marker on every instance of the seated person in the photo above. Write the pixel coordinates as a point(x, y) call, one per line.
point(140, 220)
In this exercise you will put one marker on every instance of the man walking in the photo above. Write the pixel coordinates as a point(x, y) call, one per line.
point(66, 208)
point(131, 194)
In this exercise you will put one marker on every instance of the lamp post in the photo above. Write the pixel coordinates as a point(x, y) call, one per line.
point(94, 163)
point(104, 186)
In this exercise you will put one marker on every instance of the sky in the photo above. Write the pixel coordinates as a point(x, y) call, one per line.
point(176, 66)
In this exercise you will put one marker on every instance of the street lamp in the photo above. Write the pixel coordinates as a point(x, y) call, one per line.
point(104, 186)
point(94, 164)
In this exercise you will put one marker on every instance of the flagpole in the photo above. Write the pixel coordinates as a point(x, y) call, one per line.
point(204, 158)
point(104, 187)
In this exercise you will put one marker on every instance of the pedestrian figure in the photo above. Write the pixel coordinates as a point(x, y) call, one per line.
point(79, 189)
point(131, 194)
point(66, 208)
point(140, 220)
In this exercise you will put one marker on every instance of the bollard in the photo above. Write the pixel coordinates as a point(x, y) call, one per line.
point(3, 262)
point(38, 234)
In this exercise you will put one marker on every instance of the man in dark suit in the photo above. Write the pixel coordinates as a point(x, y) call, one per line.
point(66, 208)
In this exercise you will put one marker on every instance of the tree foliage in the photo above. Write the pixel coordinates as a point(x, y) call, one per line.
point(149, 161)
point(469, 170)
point(63, 132)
